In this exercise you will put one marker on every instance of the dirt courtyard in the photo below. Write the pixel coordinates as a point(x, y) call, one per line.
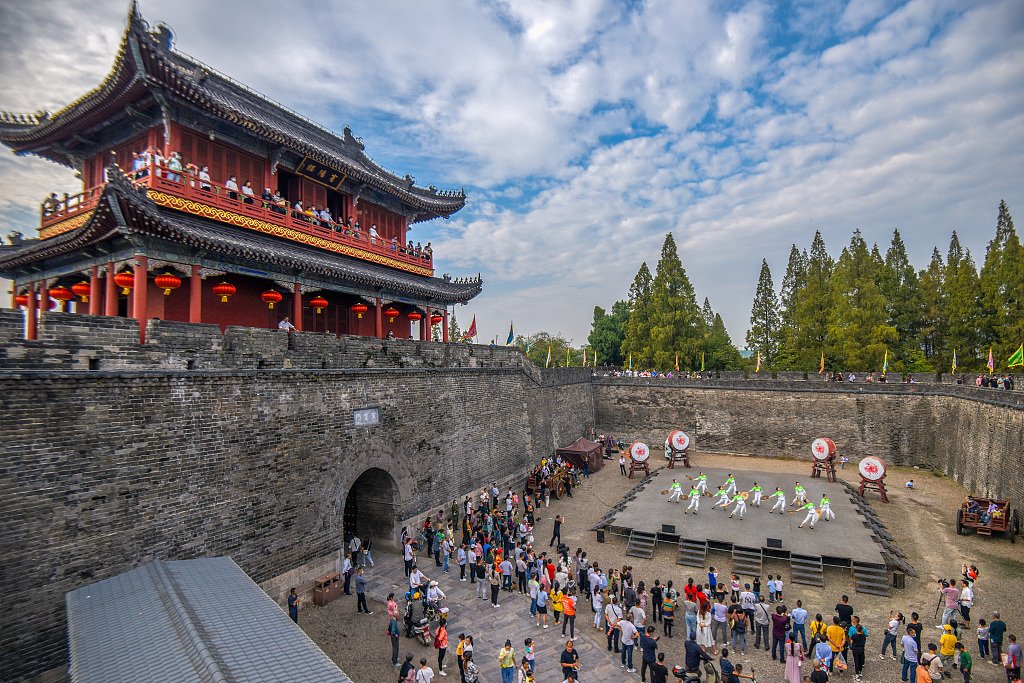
point(921, 521)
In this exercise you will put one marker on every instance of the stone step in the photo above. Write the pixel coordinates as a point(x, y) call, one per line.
point(807, 570)
point(692, 553)
point(641, 544)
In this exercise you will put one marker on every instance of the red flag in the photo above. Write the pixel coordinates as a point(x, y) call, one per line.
point(471, 332)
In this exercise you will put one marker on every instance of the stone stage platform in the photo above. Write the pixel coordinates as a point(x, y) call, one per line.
point(650, 522)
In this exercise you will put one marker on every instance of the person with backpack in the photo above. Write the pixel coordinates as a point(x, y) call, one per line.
point(929, 670)
point(441, 644)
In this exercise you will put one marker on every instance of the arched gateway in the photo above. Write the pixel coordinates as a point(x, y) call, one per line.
point(371, 507)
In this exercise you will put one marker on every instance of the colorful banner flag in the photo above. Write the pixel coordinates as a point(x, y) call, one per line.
point(758, 368)
point(954, 362)
point(885, 361)
point(584, 356)
point(631, 361)
point(702, 361)
point(595, 358)
point(1017, 359)
point(991, 364)
point(547, 363)
point(677, 361)
point(471, 332)
point(822, 368)
point(511, 335)
point(568, 356)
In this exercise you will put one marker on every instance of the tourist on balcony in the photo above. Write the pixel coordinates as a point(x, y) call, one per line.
point(286, 325)
point(174, 167)
point(158, 162)
point(268, 198)
point(311, 215)
point(298, 211)
point(428, 252)
point(280, 204)
point(374, 235)
point(247, 191)
point(356, 230)
point(326, 217)
point(394, 244)
point(191, 170)
point(51, 205)
point(139, 169)
point(232, 187)
point(204, 179)
point(410, 249)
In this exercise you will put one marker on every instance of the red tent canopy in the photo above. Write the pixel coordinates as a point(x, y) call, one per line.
point(583, 450)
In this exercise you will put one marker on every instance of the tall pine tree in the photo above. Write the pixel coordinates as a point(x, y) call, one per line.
point(608, 332)
point(1002, 289)
point(792, 282)
point(813, 305)
point(959, 310)
point(675, 320)
point(763, 335)
point(859, 330)
point(932, 287)
point(636, 343)
point(898, 281)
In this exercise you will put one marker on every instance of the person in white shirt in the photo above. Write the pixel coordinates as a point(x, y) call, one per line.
point(247, 191)
point(416, 578)
point(629, 634)
point(158, 162)
point(966, 601)
point(353, 544)
point(374, 235)
point(204, 179)
point(424, 674)
point(612, 617)
point(232, 186)
point(285, 325)
point(434, 593)
point(639, 617)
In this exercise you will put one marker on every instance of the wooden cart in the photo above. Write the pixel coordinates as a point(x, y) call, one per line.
point(988, 516)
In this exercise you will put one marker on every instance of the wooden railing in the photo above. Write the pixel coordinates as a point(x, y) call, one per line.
point(54, 211)
point(192, 188)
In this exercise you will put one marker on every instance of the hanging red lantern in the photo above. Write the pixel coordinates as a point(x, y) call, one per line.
point(167, 282)
point(126, 281)
point(391, 313)
point(436, 319)
point(21, 300)
point(271, 297)
point(82, 289)
point(224, 290)
point(359, 309)
point(319, 304)
point(61, 294)
point(415, 315)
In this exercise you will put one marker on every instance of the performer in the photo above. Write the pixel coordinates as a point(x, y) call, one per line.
point(757, 491)
point(801, 495)
point(780, 500)
point(723, 497)
point(675, 492)
point(730, 485)
point(824, 509)
point(694, 497)
point(702, 483)
point(812, 514)
point(741, 505)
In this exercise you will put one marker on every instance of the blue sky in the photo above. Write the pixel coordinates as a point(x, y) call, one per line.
point(584, 130)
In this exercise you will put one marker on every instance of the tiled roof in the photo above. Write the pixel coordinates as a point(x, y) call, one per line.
point(186, 621)
point(144, 58)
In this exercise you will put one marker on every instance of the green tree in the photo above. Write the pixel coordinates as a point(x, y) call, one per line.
point(719, 351)
point(636, 343)
point(813, 305)
point(792, 283)
point(535, 347)
point(707, 314)
point(960, 305)
point(454, 333)
point(898, 281)
point(858, 327)
point(608, 332)
point(765, 321)
point(675, 322)
point(930, 281)
point(1002, 289)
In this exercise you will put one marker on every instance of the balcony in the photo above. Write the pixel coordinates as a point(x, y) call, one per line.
point(217, 203)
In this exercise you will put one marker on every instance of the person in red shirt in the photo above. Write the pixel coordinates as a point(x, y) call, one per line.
point(691, 590)
point(551, 571)
point(701, 599)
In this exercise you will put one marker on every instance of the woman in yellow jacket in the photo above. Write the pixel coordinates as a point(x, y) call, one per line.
point(817, 628)
point(556, 603)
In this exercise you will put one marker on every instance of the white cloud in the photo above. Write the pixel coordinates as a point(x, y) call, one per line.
point(587, 129)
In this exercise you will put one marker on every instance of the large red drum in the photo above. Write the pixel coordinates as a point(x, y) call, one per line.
point(823, 449)
point(872, 468)
point(639, 451)
point(678, 440)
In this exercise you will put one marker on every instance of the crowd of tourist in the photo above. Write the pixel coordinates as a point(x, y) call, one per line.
point(172, 168)
point(490, 539)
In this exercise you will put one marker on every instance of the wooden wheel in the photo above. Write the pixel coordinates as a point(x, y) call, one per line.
point(960, 522)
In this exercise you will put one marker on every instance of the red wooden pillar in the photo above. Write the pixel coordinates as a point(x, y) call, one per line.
point(44, 298)
point(110, 305)
point(297, 307)
point(195, 296)
point(94, 290)
point(139, 298)
point(444, 325)
point(425, 326)
point(379, 321)
point(31, 329)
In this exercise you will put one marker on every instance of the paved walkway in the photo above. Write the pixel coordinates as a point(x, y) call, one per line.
point(491, 626)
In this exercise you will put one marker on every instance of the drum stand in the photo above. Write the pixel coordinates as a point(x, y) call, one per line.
point(635, 466)
point(868, 485)
point(828, 466)
point(683, 456)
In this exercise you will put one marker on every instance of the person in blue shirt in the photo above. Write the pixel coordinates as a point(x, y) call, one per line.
point(799, 615)
point(293, 606)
